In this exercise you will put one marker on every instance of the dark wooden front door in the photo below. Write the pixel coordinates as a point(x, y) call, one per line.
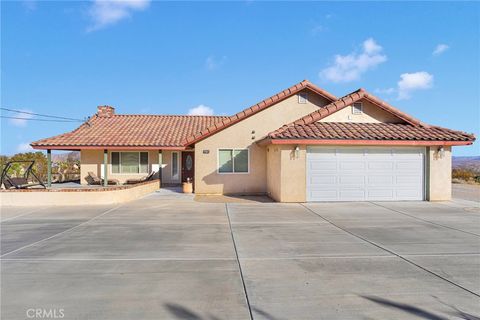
point(188, 166)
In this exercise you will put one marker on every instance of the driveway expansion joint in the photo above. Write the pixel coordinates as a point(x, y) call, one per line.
point(392, 252)
point(239, 264)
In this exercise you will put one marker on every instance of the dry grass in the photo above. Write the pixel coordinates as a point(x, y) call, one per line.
point(465, 176)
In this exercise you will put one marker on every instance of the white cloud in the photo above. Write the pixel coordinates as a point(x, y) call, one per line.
point(371, 47)
point(109, 12)
point(439, 49)
point(350, 67)
point(201, 110)
point(212, 63)
point(410, 82)
point(21, 122)
point(24, 147)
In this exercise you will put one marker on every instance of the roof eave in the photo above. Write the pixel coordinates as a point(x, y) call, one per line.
point(88, 147)
point(268, 141)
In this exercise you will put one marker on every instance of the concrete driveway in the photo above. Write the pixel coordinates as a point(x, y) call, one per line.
point(170, 257)
point(466, 191)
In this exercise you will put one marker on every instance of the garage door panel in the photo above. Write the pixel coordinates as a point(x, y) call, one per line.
point(351, 180)
point(365, 174)
point(380, 180)
point(320, 180)
point(380, 165)
point(408, 153)
point(320, 151)
point(350, 152)
point(408, 165)
point(318, 165)
point(408, 194)
point(324, 195)
point(383, 154)
point(408, 180)
point(351, 194)
point(351, 165)
point(380, 193)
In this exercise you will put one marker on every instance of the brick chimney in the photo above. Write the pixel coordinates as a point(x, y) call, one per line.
point(105, 111)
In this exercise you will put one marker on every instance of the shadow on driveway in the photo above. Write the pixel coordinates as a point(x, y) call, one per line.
point(421, 313)
point(183, 313)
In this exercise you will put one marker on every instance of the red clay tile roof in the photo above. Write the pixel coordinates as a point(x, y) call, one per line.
point(351, 98)
point(368, 131)
point(131, 131)
point(262, 105)
point(106, 129)
point(308, 127)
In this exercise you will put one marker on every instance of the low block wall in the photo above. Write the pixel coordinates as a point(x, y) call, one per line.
point(75, 197)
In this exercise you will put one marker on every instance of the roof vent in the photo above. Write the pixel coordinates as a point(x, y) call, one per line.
point(105, 111)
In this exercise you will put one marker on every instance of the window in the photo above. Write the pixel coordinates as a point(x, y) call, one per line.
point(129, 162)
point(357, 108)
point(302, 97)
point(175, 165)
point(233, 160)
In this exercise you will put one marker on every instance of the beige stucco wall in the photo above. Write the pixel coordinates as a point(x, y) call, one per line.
point(76, 198)
point(274, 186)
point(370, 114)
point(439, 174)
point(239, 135)
point(91, 160)
point(293, 173)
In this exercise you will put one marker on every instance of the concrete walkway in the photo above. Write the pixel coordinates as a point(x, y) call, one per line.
point(167, 256)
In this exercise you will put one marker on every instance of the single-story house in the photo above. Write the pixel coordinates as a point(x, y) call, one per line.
point(301, 144)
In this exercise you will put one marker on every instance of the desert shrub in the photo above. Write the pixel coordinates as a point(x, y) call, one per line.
point(463, 174)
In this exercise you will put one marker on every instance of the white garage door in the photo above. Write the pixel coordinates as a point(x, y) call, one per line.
point(365, 174)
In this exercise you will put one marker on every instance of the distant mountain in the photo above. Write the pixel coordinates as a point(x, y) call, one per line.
point(75, 155)
point(471, 163)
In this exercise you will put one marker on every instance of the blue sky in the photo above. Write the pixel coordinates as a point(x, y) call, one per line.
point(65, 58)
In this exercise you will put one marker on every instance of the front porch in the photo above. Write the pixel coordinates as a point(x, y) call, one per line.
point(115, 167)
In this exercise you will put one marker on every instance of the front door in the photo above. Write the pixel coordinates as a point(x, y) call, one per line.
point(187, 166)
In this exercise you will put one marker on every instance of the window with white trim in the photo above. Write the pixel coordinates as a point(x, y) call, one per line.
point(357, 108)
point(302, 97)
point(129, 162)
point(233, 161)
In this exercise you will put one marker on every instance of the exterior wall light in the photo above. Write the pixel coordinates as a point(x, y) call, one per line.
point(441, 152)
point(297, 152)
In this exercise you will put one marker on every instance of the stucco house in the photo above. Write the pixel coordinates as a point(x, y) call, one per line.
point(301, 144)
